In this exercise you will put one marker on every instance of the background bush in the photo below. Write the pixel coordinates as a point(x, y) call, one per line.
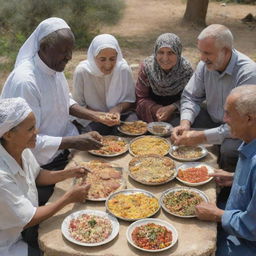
point(18, 18)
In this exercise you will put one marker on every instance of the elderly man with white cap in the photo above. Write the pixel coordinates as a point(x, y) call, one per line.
point(19, 174)
point(38, 78)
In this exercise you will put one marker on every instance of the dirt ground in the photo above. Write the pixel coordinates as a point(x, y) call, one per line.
point(144, 20)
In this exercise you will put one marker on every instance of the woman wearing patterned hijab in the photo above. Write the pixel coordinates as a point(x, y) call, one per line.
point(161, 80)
point(19, 175)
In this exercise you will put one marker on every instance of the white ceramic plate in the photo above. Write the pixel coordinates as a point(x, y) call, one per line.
point(137, 161)
point(130, 192)
point(119, 128)
point(155, 221)
point(96, 153)
point(204, 152)
point(66, 221)
point(160, 128)
point(150, 146)
point(195, 165)
point(197, 191)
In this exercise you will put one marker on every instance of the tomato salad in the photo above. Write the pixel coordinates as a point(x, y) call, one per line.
point(194, 174)
point(152, 236)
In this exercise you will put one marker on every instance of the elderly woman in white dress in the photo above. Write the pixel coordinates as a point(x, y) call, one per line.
point(19, 174)
point(104, 83)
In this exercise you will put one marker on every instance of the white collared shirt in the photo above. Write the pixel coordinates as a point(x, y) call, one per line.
point(18, 200)
point(47, 93)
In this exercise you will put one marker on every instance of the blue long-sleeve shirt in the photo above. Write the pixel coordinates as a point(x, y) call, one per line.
point(239, 218)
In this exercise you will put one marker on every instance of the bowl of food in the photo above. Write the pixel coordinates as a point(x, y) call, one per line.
point(194, 174)
point(112, 146)
point(145, 145)
point(90, 228)
point(152, 235)
point(152, 169)
point(132, 204)
point(188, 153)
point(105, 178)
point(134, 128)
point(160, 128)
point(181, 201)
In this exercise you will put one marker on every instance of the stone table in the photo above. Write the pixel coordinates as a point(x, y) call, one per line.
point(196, 238)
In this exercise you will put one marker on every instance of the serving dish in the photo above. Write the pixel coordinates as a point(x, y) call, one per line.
point(152, 169)
point(159, 230)
point(132, 204)
point(74, 231)
point(160, 128)
point(181, 201)
point(145, 145)
point(135, 128)
point(188, 153)
point(194, 174)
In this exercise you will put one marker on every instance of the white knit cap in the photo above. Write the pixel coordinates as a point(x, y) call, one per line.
point(12, 112)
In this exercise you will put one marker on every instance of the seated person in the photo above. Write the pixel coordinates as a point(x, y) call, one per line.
point(221, 69)
point(161, 80)
point(19, 174)
point(237, 236)
point(104, 83)
point(38, 77)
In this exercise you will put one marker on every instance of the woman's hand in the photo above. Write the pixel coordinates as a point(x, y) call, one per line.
point(165, 113)
point(78, 193)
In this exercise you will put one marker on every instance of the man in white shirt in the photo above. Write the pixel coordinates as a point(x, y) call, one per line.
point(38, 78)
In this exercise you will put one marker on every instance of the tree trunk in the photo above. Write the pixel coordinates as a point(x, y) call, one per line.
point(196, 12)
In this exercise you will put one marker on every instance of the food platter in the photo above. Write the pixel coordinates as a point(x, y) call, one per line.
point(132, 204)
point(135, 128)
point(112, 146)
point(105, 178)
point(196, 173)
point(98, 219)
point(145, 145)
point(152, 169)
point(183, 199)
point(132, 229)
point(188, 153)
point(160, 128)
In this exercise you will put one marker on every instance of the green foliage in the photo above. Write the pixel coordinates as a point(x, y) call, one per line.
point(19, 18)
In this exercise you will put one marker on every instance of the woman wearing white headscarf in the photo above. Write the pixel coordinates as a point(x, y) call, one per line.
point(19, 174)
point(104, 81)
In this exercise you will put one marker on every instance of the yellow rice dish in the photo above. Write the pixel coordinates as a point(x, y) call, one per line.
point(149, 145)
point(133, 206)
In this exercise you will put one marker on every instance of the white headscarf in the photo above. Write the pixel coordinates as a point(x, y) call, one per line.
point(12, 112)
point(31, 45)
point(119, 88)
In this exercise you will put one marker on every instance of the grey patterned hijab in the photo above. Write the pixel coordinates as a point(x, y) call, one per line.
point(167, 83)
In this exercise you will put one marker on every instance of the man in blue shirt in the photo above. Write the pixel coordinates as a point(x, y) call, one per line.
point(237, 236)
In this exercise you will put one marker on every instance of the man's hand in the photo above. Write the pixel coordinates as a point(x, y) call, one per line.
point(88, 141)
point(209, 212)
point(109, 119)
point(165, 113)
point(223, 178)
point(178, 130)
point(189, 138)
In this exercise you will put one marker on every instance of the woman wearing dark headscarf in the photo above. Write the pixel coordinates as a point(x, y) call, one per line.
point(161, 80)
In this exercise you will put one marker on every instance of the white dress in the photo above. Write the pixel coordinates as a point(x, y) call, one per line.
point(18, 200)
